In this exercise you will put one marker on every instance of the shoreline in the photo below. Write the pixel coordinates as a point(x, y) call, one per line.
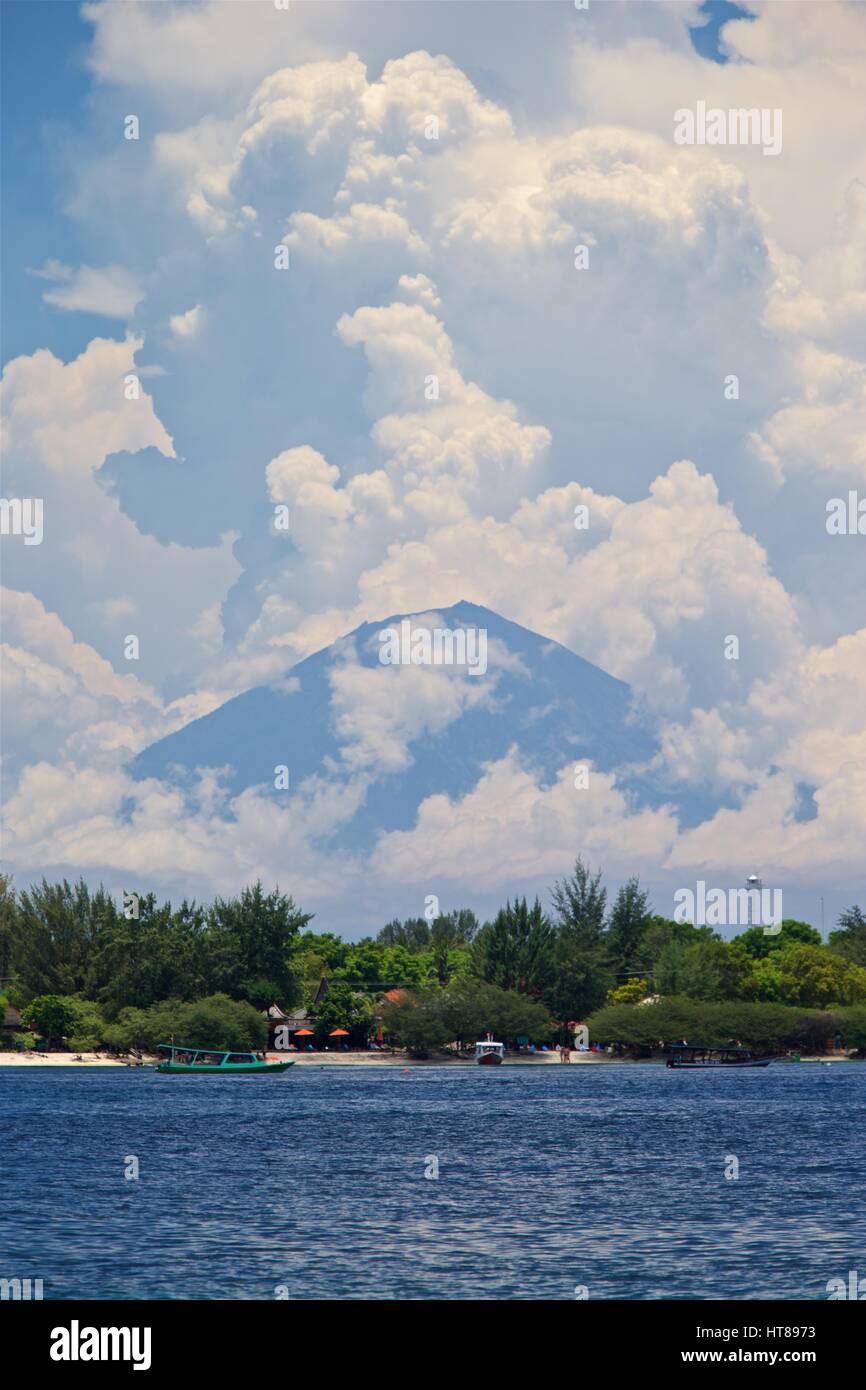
point(91, 1061)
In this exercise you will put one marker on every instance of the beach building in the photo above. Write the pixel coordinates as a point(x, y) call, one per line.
point(298, 1019)
point(11, 1022)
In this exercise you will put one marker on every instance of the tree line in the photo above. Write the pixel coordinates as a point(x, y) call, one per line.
point(527, 971)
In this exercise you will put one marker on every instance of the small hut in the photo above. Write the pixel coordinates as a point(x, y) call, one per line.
point(11, 1022)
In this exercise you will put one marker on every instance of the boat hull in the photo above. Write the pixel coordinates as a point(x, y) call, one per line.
point(235, 1069)
point(490, 1059)
point(716, 1066)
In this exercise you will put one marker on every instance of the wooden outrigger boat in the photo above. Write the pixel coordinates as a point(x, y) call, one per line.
point(195, 1061)
point(683, 1057)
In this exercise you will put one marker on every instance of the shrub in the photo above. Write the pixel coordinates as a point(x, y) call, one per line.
point(463, 1013)
point(52, 1015)
point(765, 1027)
point(217, 1022)
point(853, 1028)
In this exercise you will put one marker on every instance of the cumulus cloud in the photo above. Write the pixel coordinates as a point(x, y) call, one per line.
point(112, 291)
point(186, 325)
point(509, 819)
point(95, 570)
point(437, 393)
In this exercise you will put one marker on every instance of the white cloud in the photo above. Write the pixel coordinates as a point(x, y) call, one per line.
point(380, 711)
point(61, 420)
point(188, 324)
point(556, 389)
point(510, 829)
point(111, 291)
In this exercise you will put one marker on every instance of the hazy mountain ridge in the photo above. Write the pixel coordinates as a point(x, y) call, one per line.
point(555, 708)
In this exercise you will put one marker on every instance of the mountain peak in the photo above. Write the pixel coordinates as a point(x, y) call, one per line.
point(343, 718)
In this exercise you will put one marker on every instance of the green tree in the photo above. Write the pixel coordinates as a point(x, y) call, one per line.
point(327, 950)
point(450, 938)
point(8, 917)
point(415, 1022)
point(850, 938)
point(54, 936)
point(161, 954)
point(87, 1029)
point(510, 1014)
point(414, 934)
point(854, 1027)
point(342, 1007)
point(815, 977)
point(53, 1017)
point(364, 963)
point(629, 919)
point(223, 1023)
point(581, 975)
point(514, 951)
point(630, 993)
point(707, 968)
point(463, 1013)
point(760, 943)
point(764, 981)
point(818, 1031)
point(216, 1022)
point(703, 1023)
point(579, 904)
point(253, 937)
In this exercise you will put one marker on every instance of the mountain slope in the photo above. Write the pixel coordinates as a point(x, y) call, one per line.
point(340, 716)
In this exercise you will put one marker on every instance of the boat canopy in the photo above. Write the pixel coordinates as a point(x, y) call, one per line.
point(172, 1048)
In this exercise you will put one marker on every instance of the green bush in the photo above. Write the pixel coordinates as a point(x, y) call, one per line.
point(217, 1021)
point(221, 1022)
point(814, 1030)
point(463, 1013)
point(67, 1017)
point(853, 1027)
point(765, 1027)
point(52, 1015)
point(415, 1023)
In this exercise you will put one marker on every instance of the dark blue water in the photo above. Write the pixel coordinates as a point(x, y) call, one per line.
point(611, 1177)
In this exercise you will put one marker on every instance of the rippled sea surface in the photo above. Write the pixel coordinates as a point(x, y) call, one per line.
point(610, 1177)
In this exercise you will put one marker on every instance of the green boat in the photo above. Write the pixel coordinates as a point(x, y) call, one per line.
point(193, 1061)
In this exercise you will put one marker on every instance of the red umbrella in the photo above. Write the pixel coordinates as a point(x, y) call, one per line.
point(339, 1033)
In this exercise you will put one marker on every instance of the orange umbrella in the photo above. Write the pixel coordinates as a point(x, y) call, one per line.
point(304, 1033)
point(339, 1033)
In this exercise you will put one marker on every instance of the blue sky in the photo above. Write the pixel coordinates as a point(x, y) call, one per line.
point(50, 40)
point(450, 255)
point(706, 34)
point(44, 98)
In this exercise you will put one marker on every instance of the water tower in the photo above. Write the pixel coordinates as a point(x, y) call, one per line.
point(753, 882)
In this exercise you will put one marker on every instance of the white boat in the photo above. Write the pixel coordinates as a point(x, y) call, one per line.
point(489, 1054)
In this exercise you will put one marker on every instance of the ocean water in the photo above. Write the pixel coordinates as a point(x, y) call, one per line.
point(312, 1184)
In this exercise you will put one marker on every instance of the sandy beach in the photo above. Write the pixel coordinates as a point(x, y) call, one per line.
point(37, 1061)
